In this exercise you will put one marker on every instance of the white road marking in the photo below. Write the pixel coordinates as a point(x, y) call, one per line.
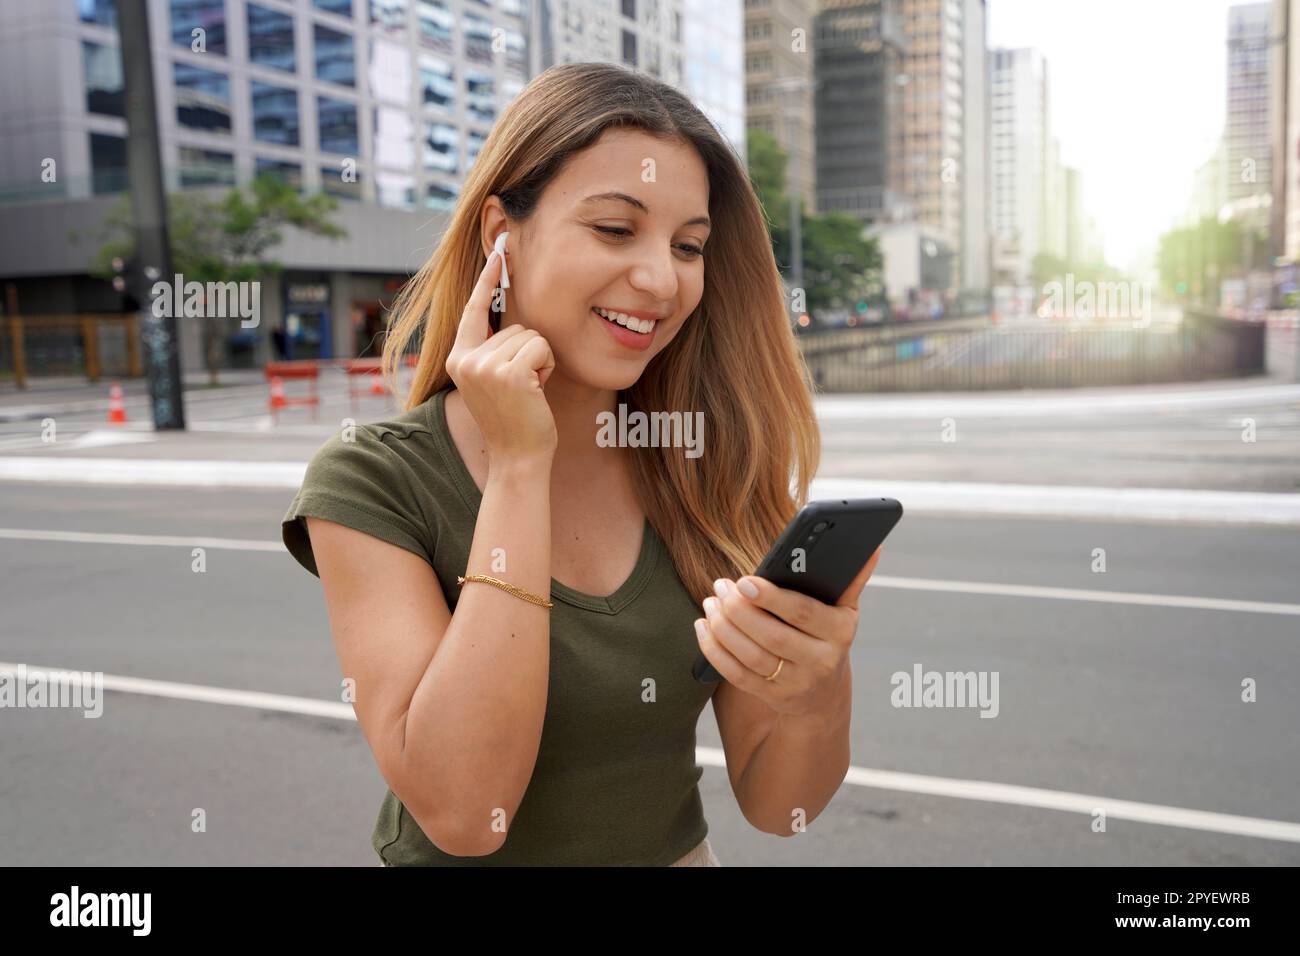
point(1182, 506)
point(1032, 404)
point(1082, 594)
point(198, 692)
point(158, 540)
point(1087, 804)
point(100, 437)
point(981, 790)
point(1177, 505)
point(877, 580)
point(155, 471)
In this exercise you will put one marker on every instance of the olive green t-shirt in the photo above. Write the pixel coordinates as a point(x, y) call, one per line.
point(616, 780)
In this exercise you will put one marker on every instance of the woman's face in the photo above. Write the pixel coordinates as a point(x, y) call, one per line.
point(619, 228)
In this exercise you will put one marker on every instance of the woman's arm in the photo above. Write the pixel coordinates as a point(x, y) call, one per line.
point(451, 705)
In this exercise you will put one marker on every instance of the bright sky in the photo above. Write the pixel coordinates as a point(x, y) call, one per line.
point(1137, 91)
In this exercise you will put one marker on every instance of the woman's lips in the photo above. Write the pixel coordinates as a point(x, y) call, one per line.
point(637, 341)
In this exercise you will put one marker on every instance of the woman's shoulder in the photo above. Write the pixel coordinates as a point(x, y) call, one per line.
point(379, 477)
point(358, 447)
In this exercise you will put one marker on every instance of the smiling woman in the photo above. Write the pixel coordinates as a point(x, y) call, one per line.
point(514, 598)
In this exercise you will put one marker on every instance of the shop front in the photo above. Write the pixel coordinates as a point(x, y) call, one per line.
point(305, 330)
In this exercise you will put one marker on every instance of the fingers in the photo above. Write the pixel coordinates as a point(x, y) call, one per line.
point(474, 329)
point(801, 612)
point(762, 628)
point(501, 341)
point(760, 653)
point(536, 355)
point(724, 662)
point(513, 339)
point(854, 591)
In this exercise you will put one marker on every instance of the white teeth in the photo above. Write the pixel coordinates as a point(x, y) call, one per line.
point(629, 321)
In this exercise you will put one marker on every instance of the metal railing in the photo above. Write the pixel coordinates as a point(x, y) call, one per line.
point(974, 354)
point(92, 345)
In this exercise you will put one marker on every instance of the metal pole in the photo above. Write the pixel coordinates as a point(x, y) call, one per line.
point(149, 212)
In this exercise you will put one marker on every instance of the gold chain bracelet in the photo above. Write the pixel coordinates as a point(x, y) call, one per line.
point(509, 588)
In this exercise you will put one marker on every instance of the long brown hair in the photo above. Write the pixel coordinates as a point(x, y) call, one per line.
point(735, 359)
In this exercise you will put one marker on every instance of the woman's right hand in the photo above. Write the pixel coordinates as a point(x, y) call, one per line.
point(500, 376)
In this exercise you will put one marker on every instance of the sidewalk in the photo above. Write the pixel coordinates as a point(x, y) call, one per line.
point(1065, 451)
point(70, 393)
point(50, 395)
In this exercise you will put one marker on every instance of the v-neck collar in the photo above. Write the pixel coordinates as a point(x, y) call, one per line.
point(651, 545)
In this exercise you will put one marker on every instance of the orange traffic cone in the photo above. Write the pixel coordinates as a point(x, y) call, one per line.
point(116, 410)
point(277, 393)
point(377, 385)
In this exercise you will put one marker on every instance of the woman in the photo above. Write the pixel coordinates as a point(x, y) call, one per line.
point(515, 599)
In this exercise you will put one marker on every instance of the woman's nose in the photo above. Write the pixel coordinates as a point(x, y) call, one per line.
point(656, 276)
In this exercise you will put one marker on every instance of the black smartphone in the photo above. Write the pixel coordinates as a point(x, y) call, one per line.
point(821, 551)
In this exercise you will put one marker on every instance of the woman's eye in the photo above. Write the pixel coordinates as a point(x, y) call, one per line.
point(691, 250)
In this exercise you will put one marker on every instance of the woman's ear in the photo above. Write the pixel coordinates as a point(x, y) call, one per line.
point(491, 223)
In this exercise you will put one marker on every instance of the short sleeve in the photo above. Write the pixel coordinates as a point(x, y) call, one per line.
point(364, 484)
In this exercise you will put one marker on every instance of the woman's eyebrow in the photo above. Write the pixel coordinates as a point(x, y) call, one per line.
point(633, 201)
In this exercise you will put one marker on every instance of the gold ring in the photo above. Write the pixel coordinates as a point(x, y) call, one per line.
point(778, 669)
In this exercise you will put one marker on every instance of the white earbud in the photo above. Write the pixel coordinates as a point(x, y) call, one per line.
point(501, 251)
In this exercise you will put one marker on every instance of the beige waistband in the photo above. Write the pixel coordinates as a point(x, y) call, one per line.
point(702, 855)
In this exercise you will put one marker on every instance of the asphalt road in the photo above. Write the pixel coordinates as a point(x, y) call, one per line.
point(1103, 699)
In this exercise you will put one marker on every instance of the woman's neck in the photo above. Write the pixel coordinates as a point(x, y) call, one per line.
point(576, 408)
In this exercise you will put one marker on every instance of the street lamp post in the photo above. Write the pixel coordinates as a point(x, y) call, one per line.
point(149, 212)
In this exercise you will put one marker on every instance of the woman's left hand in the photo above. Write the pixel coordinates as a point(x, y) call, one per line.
point(747, 637)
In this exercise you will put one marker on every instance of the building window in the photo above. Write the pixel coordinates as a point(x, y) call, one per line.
point(435, 22)
point(629, 9)
point(202, 99)
point(478, 37)
point(437, 82)
point(270, 38)
point(438, 196)
point(334, 60)
point(108, 163)
point(104, 90)
point(275, 114)
point(342, 7)
point(395, 189)
point(336, 121)
point(343, 182)
point(204, 167)
point(98, 11)
point(388, 16)
point(629, 48)
point(288, 173)
point(480, 98)
point(474, 145)
point(199, 20)
point(441, 144)
point(393, 141)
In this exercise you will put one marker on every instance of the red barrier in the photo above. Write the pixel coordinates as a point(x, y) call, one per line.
point(306, 370)
point(360, 370)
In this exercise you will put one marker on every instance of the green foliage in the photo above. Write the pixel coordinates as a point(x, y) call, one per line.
point(223, 239)
point(840, 266)
point(1047, 268)
point(1193, 259)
